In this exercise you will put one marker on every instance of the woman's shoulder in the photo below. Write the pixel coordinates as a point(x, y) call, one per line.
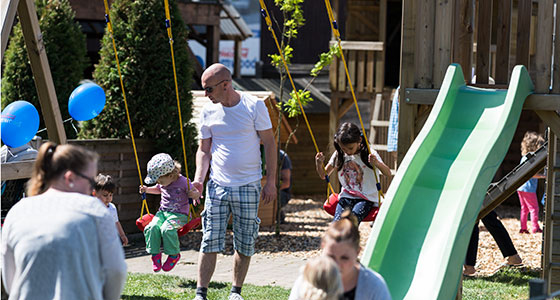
point(372, 283)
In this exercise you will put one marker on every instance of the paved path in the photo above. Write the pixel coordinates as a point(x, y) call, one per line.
point(264, 270)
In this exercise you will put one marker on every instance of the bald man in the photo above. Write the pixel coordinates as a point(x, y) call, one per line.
point(231, 130)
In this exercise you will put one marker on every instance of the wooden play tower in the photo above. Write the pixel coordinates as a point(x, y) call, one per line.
point(490, 37)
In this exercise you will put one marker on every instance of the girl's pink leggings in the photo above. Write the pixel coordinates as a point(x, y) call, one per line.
point(529, 204)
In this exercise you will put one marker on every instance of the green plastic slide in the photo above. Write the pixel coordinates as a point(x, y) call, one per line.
point(419, 240)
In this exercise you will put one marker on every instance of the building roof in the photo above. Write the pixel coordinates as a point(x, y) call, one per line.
point(232, 25)
point(320, 105)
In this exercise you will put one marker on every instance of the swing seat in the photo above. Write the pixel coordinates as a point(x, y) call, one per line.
point(330, 207)
point(192, 224)
point(143, 221)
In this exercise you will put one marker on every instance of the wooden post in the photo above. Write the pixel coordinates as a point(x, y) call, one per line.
point(463, 36)
point(424, 44)
point(483, 38)
point(380, 57)
point(524, 9)
point(41, 71)
point(237, 59)
point(556, 63)
point(544, 48)
point(212, 44)
point(8, 14)
point(502, 41)
point(406, 111)
point(442, 39)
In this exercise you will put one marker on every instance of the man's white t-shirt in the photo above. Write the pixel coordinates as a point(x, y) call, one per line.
point(113, 212)
point(236, 155)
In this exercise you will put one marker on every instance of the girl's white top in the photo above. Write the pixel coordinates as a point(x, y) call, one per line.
point(356, 179)
point(60, 245)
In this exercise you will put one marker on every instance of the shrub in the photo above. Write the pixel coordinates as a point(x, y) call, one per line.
point(66, 51)
point(145, 60)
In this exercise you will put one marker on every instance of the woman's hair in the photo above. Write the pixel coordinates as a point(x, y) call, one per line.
point(349, 133)
point(531, 142)
point(321, 280)
point(344, 230)
point(105, 183)
point(53, 160)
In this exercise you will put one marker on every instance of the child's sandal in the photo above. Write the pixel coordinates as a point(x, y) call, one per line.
point(156, 262)
point(171, 262)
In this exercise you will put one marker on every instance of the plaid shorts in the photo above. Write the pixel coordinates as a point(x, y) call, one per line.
point(221, 202)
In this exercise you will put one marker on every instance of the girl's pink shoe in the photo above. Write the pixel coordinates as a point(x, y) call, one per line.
point(524, 231)
point(156, 262)
point(537, 230)
point(171, 262)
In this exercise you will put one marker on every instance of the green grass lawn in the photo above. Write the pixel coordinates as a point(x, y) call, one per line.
point(506, 284)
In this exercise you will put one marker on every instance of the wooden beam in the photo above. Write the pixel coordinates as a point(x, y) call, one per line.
point(380, 57)
point(212, 44)
point(407, 113)
point(356, 45)
point(551, 119)
point(502, 41)
point(424, 51)
point(237, 59)
point(8, 10)
point(41, 71)
point(442, 39)
point(524, 10)
point(544, 49)
point(17, 170)
point(546, 102)
point(463, 36)
point(556, 62)
point(483, 39)
point(344, 108)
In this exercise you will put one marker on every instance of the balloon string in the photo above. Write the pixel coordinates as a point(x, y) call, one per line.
point(67, 120)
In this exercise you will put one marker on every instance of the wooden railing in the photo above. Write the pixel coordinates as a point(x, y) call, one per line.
point(365, 61)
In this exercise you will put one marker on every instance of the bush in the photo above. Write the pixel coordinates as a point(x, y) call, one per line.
point(66, 51)
point(145, 60)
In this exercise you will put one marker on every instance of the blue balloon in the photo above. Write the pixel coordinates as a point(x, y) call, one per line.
point(86, 102)
point(20, 122)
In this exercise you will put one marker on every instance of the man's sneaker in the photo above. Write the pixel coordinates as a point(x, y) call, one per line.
point(156, 262)
point(198, 297)
point(235, 296)
point(170, 262)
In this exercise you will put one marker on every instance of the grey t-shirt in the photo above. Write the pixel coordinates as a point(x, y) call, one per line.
point(60, 245)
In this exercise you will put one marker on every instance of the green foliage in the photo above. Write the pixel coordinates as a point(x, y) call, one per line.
point(292, 106)
point(276, 59)
point(66, 52)
point(325, 59)
point(145, 60)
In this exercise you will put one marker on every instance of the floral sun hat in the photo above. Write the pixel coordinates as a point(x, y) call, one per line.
point(161, 164)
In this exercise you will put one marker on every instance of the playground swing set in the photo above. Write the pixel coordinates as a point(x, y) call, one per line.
point(427, 215)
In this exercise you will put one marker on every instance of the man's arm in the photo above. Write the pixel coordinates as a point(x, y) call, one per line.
point(269, 191)
point(203, 157)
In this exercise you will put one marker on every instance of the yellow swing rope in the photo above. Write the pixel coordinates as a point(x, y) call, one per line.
point(110, 29)
point(336, 33)
point(269, 26)
point(170, 35)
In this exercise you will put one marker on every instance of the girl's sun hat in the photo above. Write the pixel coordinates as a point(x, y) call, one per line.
point(161, 164)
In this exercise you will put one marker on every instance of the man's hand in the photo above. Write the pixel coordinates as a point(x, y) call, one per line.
point(198, 186)
point(268, 193)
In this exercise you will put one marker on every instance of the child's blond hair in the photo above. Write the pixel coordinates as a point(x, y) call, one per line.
point(531, 142)
point(321, 280)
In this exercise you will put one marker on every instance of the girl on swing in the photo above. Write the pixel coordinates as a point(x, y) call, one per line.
point(355, 172)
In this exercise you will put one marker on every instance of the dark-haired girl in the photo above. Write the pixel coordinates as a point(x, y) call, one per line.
point(355, 168)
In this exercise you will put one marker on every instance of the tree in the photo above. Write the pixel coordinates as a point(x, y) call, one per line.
point(145, 60)
point(66, 51)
